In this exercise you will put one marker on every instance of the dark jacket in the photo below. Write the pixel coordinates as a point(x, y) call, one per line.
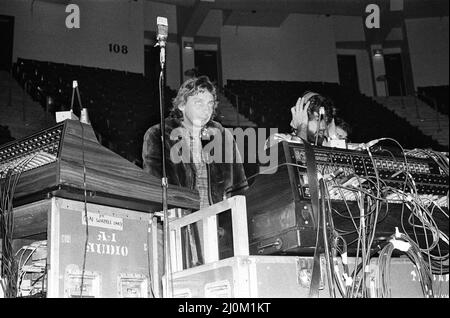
point(225, 179)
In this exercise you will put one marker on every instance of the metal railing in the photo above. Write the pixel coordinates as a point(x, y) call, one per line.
point(432, 102)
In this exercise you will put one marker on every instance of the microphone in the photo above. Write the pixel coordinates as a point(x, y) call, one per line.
point(319, 121)
point(163, 30)
point(161, 37)
point(322, 111)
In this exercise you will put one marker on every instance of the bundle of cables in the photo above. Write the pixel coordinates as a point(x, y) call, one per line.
point(402, 243)
point(32, 268)
point(348, 284)
point(423, 214)
point(9, 177)
point(373, 195)
point(423, 218)
point(354, 284)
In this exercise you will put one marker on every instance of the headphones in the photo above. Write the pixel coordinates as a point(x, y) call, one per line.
point(307, 96)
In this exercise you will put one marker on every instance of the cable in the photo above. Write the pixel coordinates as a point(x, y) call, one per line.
point(24, 268)
point(401, 242)
point(319, 120)
point(149, 259)
point(85, 212)
point(164, 185)
point(7, 189)
point(323, 207)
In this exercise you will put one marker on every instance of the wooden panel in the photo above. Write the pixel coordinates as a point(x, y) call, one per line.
point(36, 180)
point(108, 172)
point(31, 219)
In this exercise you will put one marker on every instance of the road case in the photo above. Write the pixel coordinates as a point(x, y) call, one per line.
point(249, 277)
point(115, 257)
point(289, 277)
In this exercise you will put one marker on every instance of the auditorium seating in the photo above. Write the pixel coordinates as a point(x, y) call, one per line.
point(121, 105)
point(268, 104)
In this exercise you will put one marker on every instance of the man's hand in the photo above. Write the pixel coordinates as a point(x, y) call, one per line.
point(300, 117)
point(299, 113)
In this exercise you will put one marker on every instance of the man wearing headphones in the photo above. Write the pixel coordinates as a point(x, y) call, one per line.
point(311, 117)
point(313, 120)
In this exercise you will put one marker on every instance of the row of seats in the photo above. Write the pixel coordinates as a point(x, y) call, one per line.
point(436, 95)
point(268, 104)
point(121, 105)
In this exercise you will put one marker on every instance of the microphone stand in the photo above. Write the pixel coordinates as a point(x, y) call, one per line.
point(164, 182)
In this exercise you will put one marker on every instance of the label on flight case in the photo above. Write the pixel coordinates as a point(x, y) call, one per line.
point(104, 221)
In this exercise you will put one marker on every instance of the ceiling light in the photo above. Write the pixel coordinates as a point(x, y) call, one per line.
point(377, 53)
point(188, 45)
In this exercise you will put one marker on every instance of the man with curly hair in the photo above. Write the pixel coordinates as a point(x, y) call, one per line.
point(191, 124)
point(313, 120)
point(215, 172)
